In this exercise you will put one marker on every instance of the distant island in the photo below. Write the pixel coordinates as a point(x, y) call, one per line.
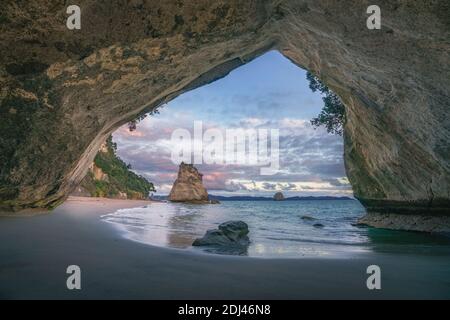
point(253, 198)
point(279, 196)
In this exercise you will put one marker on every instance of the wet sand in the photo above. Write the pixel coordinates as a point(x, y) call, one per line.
point(35, 252)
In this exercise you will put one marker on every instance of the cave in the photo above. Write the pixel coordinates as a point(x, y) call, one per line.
point(65, 91)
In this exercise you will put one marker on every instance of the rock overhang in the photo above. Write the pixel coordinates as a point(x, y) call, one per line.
point(70, 89)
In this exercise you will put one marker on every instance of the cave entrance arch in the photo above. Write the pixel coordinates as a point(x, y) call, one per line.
point(64, 92)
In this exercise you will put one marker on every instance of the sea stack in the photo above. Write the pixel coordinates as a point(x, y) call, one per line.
point(189, 186)
point(278, 196)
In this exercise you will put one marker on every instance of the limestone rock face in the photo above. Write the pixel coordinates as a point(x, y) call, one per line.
point(64, 91)
point(98, 173)
point(188, 187)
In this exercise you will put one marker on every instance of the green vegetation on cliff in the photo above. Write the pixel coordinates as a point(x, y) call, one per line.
point(111, 177)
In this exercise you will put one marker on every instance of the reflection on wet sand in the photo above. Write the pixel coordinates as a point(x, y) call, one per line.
point(181, 230)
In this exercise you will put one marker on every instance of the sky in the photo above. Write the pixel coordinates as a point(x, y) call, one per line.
point(268, 93)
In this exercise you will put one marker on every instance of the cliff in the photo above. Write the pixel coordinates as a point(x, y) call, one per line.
point(110, 177)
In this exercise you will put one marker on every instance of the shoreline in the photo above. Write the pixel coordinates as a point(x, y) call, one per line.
point(119, 203)
point(122, 203)
point(113, 267)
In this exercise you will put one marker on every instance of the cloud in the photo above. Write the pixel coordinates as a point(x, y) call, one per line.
point(269, 186)
point(310, 160)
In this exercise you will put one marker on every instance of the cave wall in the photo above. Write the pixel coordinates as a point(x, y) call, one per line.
point(64, 91)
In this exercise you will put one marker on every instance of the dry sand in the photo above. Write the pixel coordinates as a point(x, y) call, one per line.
point(35, 252)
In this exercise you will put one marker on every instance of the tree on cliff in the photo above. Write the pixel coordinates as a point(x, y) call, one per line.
point(332, 116)
point(132, 125)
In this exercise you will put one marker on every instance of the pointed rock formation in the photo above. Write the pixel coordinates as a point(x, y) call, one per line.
point(189, 186)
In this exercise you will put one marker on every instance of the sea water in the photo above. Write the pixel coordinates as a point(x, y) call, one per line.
point(281, 229)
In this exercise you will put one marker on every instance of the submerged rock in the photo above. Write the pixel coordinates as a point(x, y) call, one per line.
point(188, 187)
point(308, 218)
point(318, 225)
point(230, 236)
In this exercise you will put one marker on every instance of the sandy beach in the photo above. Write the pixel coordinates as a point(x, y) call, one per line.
point(35, 252)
